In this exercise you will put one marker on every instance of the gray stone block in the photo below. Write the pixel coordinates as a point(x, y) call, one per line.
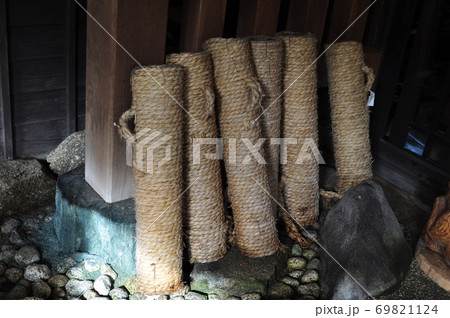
point(236, 274)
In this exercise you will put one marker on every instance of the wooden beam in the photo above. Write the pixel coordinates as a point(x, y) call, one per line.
point(390, 68)
point(258, 17)
point(71, 66)
point(343, 15)
point(308, 16)
point(140, 27)
point(5, 100)
point(203, 19)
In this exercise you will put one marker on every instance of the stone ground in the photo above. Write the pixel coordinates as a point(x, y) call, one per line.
point(88, 278)
point(417, 286)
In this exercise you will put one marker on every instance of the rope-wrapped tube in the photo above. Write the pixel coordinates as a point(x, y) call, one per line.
point(300, 178)
point(238, 97)
point(158, 116)
point(206, 225)
point(268, 58)
point(349, 80)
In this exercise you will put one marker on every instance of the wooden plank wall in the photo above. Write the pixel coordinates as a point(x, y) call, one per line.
point(413, 23)
point(6, 140)
point(47, 54)
point(43, 64)
point(45, 43)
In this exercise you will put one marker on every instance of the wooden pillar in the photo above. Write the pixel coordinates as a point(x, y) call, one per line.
point(140, 28)
point(71, 66)
point(202, 19)
point(345, 13)
point(258, 17)
point(308, 16)
point(5, 101)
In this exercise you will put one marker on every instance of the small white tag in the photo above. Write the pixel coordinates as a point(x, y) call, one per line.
point(371, 99)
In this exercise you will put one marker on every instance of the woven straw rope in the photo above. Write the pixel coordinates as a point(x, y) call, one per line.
point(159, 249)
point(268, 58)
point(238, 97)
point(300, 182)
point(349, 113)
point(205, 214)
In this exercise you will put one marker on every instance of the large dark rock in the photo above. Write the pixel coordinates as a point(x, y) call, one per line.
point(84, 222)
point(236, 274)
point(24, 186)
point(362, 233)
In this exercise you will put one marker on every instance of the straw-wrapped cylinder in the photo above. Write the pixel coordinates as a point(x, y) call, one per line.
point(238, 97)
point(300, 171)
point(268, 58)
point(349, 113)
point(157, 167)
point(205, 221)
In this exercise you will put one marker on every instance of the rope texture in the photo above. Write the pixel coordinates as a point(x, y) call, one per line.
point(159, 247)
point(206, 226)
point(349, 81)
point(238, 96)
point(268, 58)
point(300, 181)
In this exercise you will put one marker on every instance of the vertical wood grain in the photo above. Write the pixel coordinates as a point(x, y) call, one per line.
point(5, 100)
point(202, 19)
point(344, 13)
point(391, 66)
point(258, 17)
point(71, 66)
point(140, 27)
point(308, 16)
point(418, 62)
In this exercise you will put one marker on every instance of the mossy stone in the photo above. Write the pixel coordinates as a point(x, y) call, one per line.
point(296, 263)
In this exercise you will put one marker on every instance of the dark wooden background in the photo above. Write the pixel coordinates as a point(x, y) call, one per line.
point(43, 70)
point(46, 42)
point(47, 67)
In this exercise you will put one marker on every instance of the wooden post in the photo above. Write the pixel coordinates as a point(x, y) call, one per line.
point(202, 19)
point(71, 66)
point(258, 17)
point(140, 27)
point(5, 101)
point(308, 16)
point(344, 13)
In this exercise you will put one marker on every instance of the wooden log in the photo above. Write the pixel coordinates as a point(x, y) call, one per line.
point(437, 230)
point(258, 17)
point(203, 19)
point(139, 26)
